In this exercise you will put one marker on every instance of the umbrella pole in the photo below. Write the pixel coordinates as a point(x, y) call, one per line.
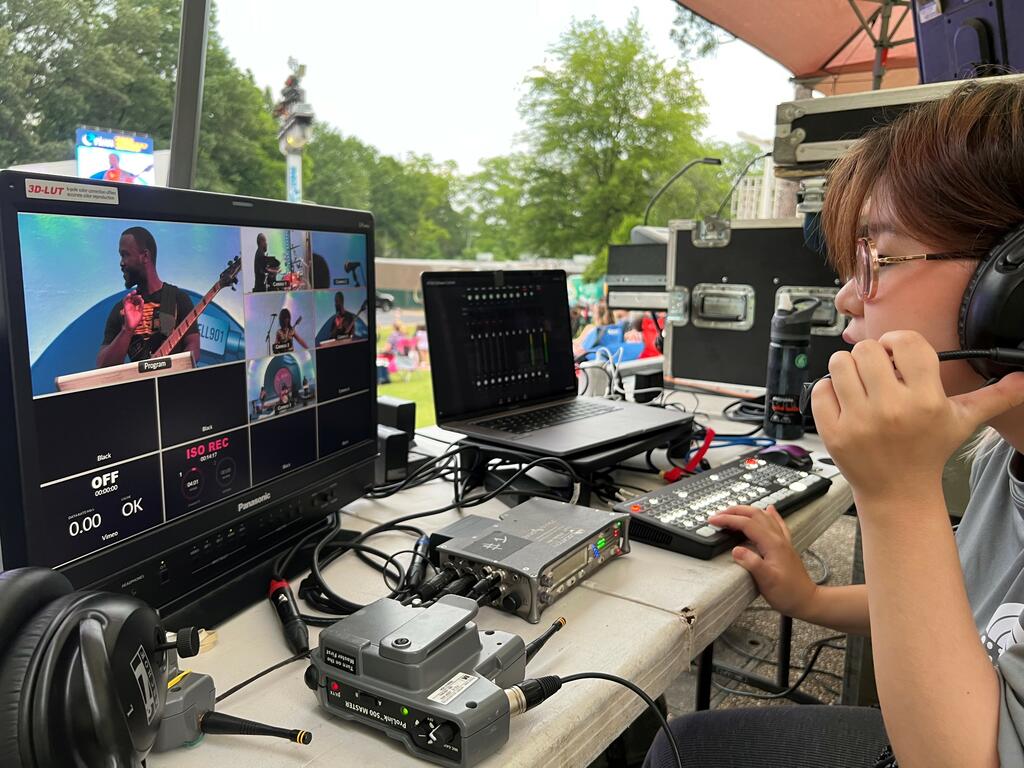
point(882, 43)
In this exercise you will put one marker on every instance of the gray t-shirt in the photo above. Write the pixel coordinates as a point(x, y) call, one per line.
point(991, 544)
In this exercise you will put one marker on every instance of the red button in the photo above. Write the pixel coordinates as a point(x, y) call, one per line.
point(335, 687)
point(636, 508)
point(750, 462)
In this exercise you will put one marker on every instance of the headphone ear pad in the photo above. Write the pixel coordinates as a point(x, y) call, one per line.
point(993, 303)
point(23, 593)
point(963, 329)
point(15, 691)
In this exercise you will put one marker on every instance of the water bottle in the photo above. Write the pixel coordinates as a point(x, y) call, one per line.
point(787, 367)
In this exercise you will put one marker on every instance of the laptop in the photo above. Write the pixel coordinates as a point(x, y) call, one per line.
point(503, 372)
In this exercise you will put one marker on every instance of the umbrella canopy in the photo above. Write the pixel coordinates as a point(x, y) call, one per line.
point(828, 45)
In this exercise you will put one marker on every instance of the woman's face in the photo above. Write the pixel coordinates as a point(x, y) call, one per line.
point(922, 296)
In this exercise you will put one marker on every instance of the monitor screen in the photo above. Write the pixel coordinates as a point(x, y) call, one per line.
point(497, 339)
point(170, 364)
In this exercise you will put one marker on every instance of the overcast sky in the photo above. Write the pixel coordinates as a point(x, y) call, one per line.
point(444, 77)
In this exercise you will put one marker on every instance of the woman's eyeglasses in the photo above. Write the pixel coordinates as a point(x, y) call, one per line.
point(869, 262)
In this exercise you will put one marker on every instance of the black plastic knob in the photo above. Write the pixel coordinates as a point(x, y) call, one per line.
point(511, 602)
point(186, 642)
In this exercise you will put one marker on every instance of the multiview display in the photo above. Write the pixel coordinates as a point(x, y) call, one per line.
point(176, 364)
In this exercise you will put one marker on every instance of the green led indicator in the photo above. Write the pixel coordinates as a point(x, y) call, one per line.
point(601, 543)
point(405, 711)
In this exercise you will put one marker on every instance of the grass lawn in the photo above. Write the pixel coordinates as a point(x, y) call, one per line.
point(418, 389)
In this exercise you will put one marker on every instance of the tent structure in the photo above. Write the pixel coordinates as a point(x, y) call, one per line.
point(831, 46)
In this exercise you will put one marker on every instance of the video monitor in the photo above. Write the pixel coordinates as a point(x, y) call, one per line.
point(175, 364)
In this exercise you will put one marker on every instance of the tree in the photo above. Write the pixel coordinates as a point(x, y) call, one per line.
point(696, 37)
point(112, 64)
point(338, 170)
point(608, 122)
point(411, 199)
point(495, 197)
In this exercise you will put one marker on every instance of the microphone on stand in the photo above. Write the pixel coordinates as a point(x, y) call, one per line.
point(670, 182)
point(270, 330)
point(351, 268)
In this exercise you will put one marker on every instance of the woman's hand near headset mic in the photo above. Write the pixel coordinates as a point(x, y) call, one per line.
point(888, 425)
point(887, 422)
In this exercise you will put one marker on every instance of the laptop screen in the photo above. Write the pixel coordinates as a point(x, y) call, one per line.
point(497, 339)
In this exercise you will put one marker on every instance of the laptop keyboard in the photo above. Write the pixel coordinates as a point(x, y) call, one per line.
point(531, 421)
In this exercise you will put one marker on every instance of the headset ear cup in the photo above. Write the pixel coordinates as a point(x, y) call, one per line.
point(23, 593)
point(991, 306)
point(964, 327)
point(16, 691)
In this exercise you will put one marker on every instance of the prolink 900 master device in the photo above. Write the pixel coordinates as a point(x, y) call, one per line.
point(425, 676)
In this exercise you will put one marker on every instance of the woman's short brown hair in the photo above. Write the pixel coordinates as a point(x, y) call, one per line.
point(951, 171)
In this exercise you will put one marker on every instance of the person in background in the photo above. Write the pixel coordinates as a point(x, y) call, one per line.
point(423, 345)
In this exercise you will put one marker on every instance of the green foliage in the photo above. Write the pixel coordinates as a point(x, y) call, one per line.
point(411, 199)
point(338, 170)
point(496, 194)
point(696, 37)
point(604, 116)
point(112, 64)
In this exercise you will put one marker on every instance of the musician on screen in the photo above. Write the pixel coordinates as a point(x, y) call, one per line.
point(286, 333)
point(142, 320)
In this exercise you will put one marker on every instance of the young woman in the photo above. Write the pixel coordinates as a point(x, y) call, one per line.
point(943, 611)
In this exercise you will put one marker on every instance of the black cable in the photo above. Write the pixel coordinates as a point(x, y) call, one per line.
point(818, 645)
point(314, 589)
point(676, 175)
point(400, 586)
point(258, 675)
point(429, 470)
point(740, 178)
point(767, 660)
point(744, 411)
point(281, 564)
point(639, 692)
point(650, 464)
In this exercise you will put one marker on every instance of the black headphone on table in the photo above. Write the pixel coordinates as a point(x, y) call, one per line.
point(990, 325)
point(83, 675)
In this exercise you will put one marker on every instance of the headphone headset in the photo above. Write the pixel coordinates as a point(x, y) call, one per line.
point(992, 310)
point(83, 675)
